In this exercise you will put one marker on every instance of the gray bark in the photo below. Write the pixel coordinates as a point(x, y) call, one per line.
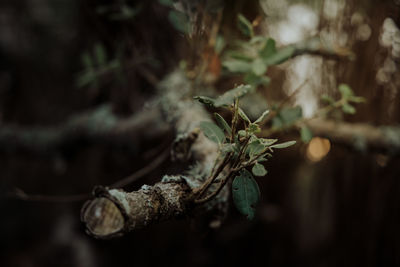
point(113, 212)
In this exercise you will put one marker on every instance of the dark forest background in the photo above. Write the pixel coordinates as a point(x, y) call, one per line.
point(343, 210)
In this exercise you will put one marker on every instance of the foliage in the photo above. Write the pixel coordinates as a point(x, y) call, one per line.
point(345, 103)
point(252, 57)
point(242, 149)
point(288, 117)
point(96, 64)
point(245, 193)
point(226, 99)
point(179, 20)
point(239, 149)
point(122, 13)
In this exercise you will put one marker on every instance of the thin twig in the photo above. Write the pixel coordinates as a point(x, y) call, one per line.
point(216, 192)
point(216, 162)
point(142, 172)
point(231, 172)
point(294, 93)
point(20, 194)
point(234, 119)
point(201, 190)
point(241, 152)
point(319, 113)
point(272, 114)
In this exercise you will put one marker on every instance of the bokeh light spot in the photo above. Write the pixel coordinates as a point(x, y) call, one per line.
point(318, 148)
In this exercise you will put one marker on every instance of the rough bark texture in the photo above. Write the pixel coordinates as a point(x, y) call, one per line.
point(113, 212)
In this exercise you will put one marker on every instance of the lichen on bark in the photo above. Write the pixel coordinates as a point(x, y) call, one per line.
point(113, 212)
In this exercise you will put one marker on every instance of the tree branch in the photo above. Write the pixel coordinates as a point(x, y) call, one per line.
point(100, 125)
point(382, 138)
point(113, 212)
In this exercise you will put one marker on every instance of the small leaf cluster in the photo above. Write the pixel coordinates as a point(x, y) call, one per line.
point(121, 12)
point(179, 20)
point(253, 56)
point(287, 117)
point(344, 103)
point(347, 99)
point(95, 65)
point(241, 149)
point(226, 99)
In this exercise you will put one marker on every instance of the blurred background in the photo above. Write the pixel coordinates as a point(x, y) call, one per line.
point(324, 203)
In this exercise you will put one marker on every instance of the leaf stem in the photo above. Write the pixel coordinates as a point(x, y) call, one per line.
point(321, 112)
point(234, 118)
point(216, 191)
point(198, 192)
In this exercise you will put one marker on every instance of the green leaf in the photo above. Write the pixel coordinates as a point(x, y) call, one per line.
point(245, 26)
point(306, 134)
point(242, 133)
point(85, 79)
point(269, 49)
point(229, 97)
point(208, 101)
point(219, 44)
point(255, 80)
point(237, 66)
point(356, 99)
point(287, 117)
point(243, 56)
point(212, 132)
point(166, 2)
point(226, 148)
point(255, 148)
point(87, 60)
point(268, 155)
point(268, 142)
point(245, 193)
point(259, 170)
point(257, 39)
point(260, 119)
point(261, 159)
point(222, 123)
point(126, 13)
point(258, 67)
point(243, 115)
point(284, 145)
point(280, 56)
point(349, 109)
point(115, 64)
point(179, 20)
point(290, 115)
point(327, 99)
point(101, 55)
point(254, 128)
point(345, 91)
